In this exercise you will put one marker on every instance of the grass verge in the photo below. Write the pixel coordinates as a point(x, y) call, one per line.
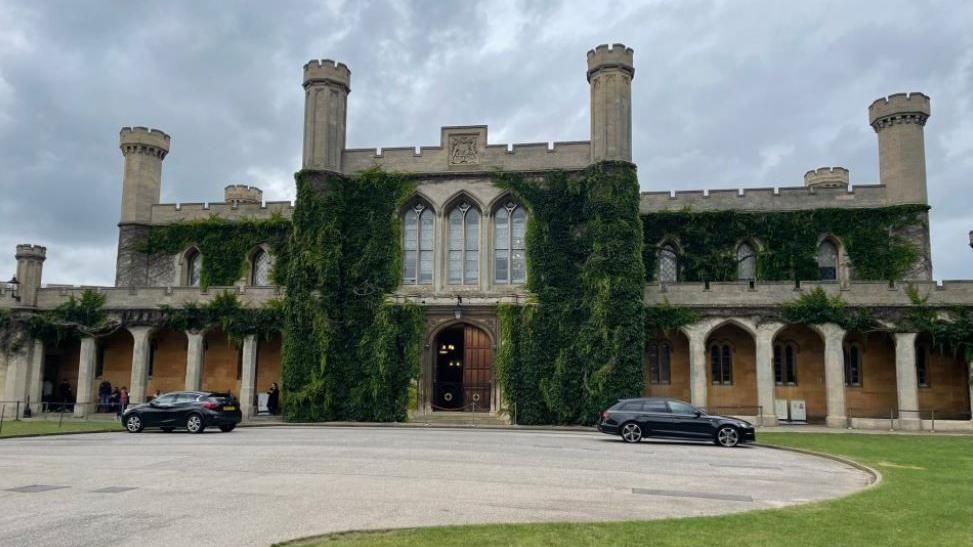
point(925, 498)
point(30, 427)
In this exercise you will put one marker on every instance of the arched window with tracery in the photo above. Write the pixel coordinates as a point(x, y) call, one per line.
point(463, 261)
point(828, 260)
point(660, 362)
point(261, 266)
point(510, 247)
point(746, 262)
point(194, 266)
point(417, 245)
point(668, 264)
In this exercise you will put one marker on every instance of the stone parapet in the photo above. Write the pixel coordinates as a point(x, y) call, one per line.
point(827, 177)
point(241, 193)
point(764, 199)
point(122, 298)
point(899, 108)
point(771, 294)
point(144, 140)
point(169, 213)
point(326, 70)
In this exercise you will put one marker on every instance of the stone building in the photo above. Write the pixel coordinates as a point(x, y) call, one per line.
point(464, 253)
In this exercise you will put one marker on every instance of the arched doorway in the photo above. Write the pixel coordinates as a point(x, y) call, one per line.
point(462, 369)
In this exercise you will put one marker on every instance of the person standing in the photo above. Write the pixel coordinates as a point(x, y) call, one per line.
point(122, 400)
point(273, 399)
point(104, 392)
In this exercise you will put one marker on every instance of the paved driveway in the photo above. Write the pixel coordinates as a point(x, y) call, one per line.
point(259, 485)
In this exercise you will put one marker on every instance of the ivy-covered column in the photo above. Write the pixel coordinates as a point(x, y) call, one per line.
point(18, 364)
point(86, 377)
point(248, 376)
point(697, 364)
point(834, 373)
point(35, 388)
point(906, 381)
point(141, 353)
point(765, 372)
point(194, 361)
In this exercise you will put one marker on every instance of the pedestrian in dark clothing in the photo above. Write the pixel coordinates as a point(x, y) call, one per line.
point(104, 391)
point(273, 399)
point(65, 397)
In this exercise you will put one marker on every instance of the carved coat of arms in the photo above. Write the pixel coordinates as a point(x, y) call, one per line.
point(462, 149)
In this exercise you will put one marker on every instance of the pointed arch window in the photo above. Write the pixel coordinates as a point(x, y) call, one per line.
point(853, 365)
point(463, 265)
point(828, 260)
point(746, 262)
point(510, 229)
point(417, 229)
point(721, 363)
point(194, 267)
point(261, 267)
point(668, 264)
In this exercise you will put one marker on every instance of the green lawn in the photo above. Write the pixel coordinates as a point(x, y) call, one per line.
point(925, 498)
point(18, 428)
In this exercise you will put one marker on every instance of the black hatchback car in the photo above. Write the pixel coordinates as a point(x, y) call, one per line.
point(192, 410)
point(635, 419)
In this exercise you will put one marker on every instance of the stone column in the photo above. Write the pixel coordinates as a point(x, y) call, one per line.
point(194, 361)
point(36, 384)
point(906, 381)
point(697, 365)
point(86, 377)
point(834, 373)
point(248, 377)
point(15, 389)
point(141, 353)
point(765, 372)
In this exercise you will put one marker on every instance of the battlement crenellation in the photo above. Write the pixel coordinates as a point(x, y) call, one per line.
point(793, 198)
point(827, 177)
point(912, 106)
point(327, 70)
point(614, 56)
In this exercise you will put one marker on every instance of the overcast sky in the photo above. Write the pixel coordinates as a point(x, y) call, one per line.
point(726, 95)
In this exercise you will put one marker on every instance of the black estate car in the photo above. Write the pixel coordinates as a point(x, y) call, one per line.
point(634, 419)
point(193, 410)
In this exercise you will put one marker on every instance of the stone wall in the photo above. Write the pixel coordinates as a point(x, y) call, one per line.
point(764, 199)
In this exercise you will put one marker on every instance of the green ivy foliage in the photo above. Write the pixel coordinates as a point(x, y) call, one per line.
point(815, 307)
point(580, 347)
point(788, 241)
point(84, 316)
point(226, 311)
point(667, 318)
point(952, 332)
point(223, 244)
point(348, 355)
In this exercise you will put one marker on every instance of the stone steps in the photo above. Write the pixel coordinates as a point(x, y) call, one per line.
point(460, 419)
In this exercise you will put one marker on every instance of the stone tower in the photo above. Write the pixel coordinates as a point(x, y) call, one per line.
point(30, 266)
point(899, 121)
point(144, 149)
point(326, 88)
point(610, 73)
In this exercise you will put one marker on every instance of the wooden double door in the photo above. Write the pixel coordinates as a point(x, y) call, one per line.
point(477, 368)
point(463, 374)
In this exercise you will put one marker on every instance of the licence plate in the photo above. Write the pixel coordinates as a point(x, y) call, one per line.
point(229, 407)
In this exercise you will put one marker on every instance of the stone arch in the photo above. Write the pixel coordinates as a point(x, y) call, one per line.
point(167, 361)
point(253, 255)
point(810, 383)
point(187, 261)
point(427, 385)
point(731, 367)
point(460, 196)
point(842, 268)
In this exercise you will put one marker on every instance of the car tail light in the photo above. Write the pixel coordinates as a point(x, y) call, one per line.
point(210, 405)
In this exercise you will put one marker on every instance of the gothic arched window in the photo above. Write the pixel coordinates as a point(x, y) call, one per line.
point(194, 266)
point(853, 365)
point(510, 228)
point(463, 262)
point(785, 364)
point(721, 363)
point(260, 267)
point(828, 260)
point(746, 262)
point(660, 362)
point(417, 229)
point(668, 265)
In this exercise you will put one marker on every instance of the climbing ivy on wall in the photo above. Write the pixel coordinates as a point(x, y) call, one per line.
point(580, 346)
point(788, 240)
point(347, 355)
point(77, 317)
point(815, 307)
point(224, 244)
point(951, 331)
point(227, 312)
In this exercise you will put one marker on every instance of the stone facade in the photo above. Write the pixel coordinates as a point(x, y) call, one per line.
point(885, 376)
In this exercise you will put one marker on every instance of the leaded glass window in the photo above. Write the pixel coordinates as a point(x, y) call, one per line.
point(785, 364)
point(721, 364)
point(668, 265)
point(194, 265)
point(853, 365)
point(746, 262)
point(261, 267)
point(828, 260)
point(510, 229)
point(660, 359)
point(922, 365)
point(463, 264)
point(417, 246)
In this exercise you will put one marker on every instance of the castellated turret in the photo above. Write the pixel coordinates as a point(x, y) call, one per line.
point(30, 265)
point(326, 88)
point(144, 149)
point(826, 177)
point(899, 121)
point(236, 194)
point(610, 74)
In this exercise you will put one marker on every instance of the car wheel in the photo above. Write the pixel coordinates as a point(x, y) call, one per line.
point(133, 423)
point(227, 428)
point(728, 436)
point(194, 423)
point(631, 432)
point(167, 429)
